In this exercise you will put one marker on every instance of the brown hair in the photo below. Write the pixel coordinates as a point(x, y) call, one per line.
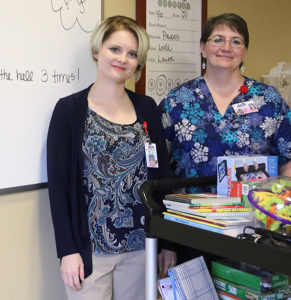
point(231, 20)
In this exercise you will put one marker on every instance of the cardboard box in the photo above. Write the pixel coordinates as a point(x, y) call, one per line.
point(249, 276)
point(243, 168)
point(242, 292)
point(241, 189)
point(246, 186)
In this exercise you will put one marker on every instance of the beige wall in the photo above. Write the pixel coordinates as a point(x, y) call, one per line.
point(122, 7)
point(29, 268)
point(269, 25)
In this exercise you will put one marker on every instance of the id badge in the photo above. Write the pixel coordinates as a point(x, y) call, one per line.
point(244, 108)
point(151, 155)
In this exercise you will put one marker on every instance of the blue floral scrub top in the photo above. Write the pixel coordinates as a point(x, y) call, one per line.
point(114, 169)
point(197, 133)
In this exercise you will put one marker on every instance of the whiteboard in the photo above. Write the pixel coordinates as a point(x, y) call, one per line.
point(174, 28)
point(44, 55)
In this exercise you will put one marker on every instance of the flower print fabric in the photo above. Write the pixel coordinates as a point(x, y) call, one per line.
point(114, 169)
point(197, 133)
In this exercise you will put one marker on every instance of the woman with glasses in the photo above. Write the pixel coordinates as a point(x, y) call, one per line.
point(223, 112)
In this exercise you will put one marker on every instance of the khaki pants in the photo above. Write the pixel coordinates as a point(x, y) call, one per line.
point(114, 277)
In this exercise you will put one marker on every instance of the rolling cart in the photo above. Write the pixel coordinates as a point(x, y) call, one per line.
point(276, 259)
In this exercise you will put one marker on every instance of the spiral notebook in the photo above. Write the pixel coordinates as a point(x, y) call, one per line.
point(218, 215)
point(228, 215)
point(192, 281)
point(231, 231)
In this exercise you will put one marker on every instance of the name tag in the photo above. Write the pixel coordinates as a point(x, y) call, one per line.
point(244, 108)
point(151, 155)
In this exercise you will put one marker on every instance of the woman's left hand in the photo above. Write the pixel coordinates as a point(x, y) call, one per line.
point(166, 260)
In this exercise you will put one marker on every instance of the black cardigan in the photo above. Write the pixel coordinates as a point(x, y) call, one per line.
point(65, 168)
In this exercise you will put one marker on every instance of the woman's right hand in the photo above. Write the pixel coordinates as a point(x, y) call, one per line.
point(72, 271)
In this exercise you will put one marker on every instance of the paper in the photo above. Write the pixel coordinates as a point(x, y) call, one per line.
point(166, 289)
point(174, 28)
point(192, 281)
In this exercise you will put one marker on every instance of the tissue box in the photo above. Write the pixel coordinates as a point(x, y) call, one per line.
point(243, 168)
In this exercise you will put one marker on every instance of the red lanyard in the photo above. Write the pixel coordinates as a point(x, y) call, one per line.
point(145, 127)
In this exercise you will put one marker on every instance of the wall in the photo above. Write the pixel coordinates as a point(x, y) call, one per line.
point(29, 267)
point(269, 25)
point(126, 8)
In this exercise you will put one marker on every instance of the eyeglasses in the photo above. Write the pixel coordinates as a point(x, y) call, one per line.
point(219, 41)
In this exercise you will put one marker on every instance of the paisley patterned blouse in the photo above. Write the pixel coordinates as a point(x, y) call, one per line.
point(197, 133)
point(114, 169)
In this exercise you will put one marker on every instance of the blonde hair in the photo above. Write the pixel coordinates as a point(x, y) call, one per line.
point(104, 30)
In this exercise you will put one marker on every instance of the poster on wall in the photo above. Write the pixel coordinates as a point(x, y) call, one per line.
point(45, 55)
point(174, 28)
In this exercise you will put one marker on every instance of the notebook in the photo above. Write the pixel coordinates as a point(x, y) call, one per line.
point(231, 230)
point(192, 281)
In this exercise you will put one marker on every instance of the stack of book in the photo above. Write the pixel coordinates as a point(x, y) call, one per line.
point(221, 214)
point(244, 281)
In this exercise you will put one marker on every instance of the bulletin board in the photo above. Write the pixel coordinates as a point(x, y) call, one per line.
point(174, 28)
point(44, 56)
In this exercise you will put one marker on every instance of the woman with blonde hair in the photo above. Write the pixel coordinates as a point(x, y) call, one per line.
point(96, 163)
